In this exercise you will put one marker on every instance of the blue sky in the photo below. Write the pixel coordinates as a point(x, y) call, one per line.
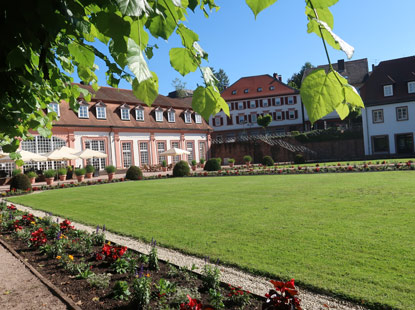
point(277, 41)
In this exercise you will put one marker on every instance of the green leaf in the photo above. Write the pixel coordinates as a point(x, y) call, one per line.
point(160, 26)
point(133, 7)
point(323, 14)
point(258, 5)
point(187, 35)
point(83, 56)
point(138, 34)
point(183, 61)
point(147, 90)
point(321, 4)
point(136, 62)
point(207, 101)
point(193, 4)
point(16, 58)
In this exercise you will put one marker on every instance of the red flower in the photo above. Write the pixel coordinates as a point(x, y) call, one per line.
point(193, 304)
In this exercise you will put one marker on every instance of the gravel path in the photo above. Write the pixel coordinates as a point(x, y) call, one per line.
point(20, 289)
point(255, 284)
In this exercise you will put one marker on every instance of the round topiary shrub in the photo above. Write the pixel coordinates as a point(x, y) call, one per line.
point(212, 165)
point(299, 159)
point(134, 173)
point(181, 169)
point(20, 181)
point(247, 158)
point(90, 169)
point(268, 161)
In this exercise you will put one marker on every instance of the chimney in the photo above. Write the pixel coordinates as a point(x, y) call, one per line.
point(280, 78)
point(373, 67)
point(275, 76)
point(340, 65)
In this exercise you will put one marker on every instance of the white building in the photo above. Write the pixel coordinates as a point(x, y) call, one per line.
point(389, 117)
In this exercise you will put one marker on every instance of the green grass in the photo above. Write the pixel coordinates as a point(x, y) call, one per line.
point(354, 162)
point(349, 234)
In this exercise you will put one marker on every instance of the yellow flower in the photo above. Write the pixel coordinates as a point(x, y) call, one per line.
point(148, 275)
point(109, 243)
point(58, 257)
point(70, 257)
point(33, 222)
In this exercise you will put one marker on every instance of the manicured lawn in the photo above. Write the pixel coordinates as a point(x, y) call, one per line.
point(356, 162)
point(350, 234)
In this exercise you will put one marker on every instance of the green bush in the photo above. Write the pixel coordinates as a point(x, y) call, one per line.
point(164, 163)
point(181, 169)
point(219, 160)
point(20, 181)
point(194, 162)
point(16, 172)
point(110, 169)
point(299, 159)
point(90, 169)
point(212, 165)
point(268, 161)
point(31, 174)
point(247, 158)
point(134, 173)
point(202, 161)
point(80, 171)
point(62, 171)
point(231, 160)
point(49, 173)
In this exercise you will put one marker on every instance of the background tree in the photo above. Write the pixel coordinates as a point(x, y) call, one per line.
point(297, 78)
point(264, 121)
point(222, 79)
point(179, 87)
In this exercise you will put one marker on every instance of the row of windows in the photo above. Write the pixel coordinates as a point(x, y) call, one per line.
point(252, 118)
point(246, 90)
point(144, 156)
point(262, 103)
point(401, 115)
point(388, 89)
point(404, 143)
point(101, 113)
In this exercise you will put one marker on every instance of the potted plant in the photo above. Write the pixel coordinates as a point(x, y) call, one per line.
point(111, 172)
point(62, 174)
point(194, 164)
point(32, 176)
point(69, 172)
point(164, 165)
point(202, 163)
point(231, 162)
point(49, 176)
point(16, 172)
point(89, 171)
point(247, 160)
point(80, 174)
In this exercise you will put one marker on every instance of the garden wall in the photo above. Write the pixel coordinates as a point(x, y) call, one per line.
point(326, 150)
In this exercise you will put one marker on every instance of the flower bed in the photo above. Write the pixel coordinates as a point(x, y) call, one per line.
point(99, 275)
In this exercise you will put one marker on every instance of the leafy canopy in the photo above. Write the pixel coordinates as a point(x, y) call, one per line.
point(45, 42)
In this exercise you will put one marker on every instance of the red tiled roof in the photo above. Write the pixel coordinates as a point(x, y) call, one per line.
point(396, 72)
point(252, 83)
point(114, 98)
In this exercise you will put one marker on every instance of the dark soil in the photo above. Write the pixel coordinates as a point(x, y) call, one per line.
point(88, 297)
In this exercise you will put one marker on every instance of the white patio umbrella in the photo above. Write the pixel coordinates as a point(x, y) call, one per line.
point(174, 152)
point(25, 156)
point(88, 154)
point(68, 150)
point(59, 155)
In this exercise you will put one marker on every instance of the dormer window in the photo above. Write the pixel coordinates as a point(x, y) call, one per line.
point(411, 87)
point(54, 107)
point(83, 111)
point(388, 90)
point(234, 92)
point(271, 87)
point(171, 115)
point(101, 110)
point(139, 113)
point(259, 89)
point(159, 114)
point(187, 117)
point(198, 118)
point(125, 112)
point(246, 90)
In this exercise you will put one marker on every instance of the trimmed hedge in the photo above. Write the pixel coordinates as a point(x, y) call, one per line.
point(134, 173)
point(181, 169)
point(268, 161)
point(20, 181)
point(212, 165)
point(299, 159)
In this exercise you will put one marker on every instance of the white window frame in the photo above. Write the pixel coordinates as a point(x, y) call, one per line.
point(125, 117)
point(265, 103)
point(234, 92)
point(187, 117)
point(388, 90)
point(171, 116)
point(291, 114)
point(259, 89)
point(278, 101)
point(139, 114)
point(278, 115)
point(252, 104)
point(241, 119)
point(159, 115)
point(290, 100)
point(240, 105)
point(101, 115)
point(253, 118)
point(411, 87)
point(377, 116)
point(83, 111)
point(198, 118)
point(400, 116)
point(54, 107)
